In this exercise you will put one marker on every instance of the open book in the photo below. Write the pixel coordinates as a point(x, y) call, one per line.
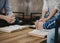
point(39, 33)
point(12, 28)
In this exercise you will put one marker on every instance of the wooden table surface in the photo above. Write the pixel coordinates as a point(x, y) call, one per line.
point(20, 36)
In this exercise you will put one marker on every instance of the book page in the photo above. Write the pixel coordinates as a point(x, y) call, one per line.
point(12, 28)
point(39, 33)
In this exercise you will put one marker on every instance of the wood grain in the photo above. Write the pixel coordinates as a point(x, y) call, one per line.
point(19, 36)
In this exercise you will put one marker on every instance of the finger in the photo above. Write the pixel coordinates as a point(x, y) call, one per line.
point(35, 25)
point(40, 20)
point(13, 21)
point(13, 17)
point(40, 25)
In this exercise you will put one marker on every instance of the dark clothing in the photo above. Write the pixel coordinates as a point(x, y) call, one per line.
point(5, 23)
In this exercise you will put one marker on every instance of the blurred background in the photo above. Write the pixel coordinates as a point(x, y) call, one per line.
point(27, 10)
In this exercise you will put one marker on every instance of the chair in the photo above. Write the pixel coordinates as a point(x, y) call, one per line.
point(35, 10)
point(33, 16)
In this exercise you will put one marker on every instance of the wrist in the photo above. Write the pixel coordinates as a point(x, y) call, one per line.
point(4, 17)
point(48, 18)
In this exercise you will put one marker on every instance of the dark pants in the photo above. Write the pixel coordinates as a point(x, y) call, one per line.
point(5, 23)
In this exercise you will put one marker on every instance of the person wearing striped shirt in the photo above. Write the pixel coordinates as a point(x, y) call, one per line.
point(8, 18)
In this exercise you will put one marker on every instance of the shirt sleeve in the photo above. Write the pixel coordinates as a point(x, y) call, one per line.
point(45, 6)
point(57, 5)
point(8, 7)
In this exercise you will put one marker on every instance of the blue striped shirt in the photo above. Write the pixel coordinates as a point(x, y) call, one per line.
point(6, 5)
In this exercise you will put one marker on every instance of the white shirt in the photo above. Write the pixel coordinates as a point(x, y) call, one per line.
point(49, 5)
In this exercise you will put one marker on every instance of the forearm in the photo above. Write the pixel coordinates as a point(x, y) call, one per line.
point(43, 13)
point(52, 13)
point(2, 17)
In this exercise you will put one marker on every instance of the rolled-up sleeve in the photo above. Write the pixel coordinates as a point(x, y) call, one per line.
point(8, 7)
point(58, 7)
point(45, 6)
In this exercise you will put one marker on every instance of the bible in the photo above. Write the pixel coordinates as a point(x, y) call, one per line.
point(11, 28)
point(39, 33)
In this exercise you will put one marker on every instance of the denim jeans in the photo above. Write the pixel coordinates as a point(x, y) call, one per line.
point(51, 35)
point(5, 23)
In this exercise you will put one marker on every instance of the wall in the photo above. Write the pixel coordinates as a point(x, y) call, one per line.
point(24, 6)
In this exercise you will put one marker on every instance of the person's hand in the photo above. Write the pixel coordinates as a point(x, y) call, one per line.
point(39, 25)
point(43, 19)
point(36, 24)
point(12, 16)
point(9, 19)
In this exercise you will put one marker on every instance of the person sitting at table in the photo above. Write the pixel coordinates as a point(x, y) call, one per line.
point(8, 18)
point(51, 34)
point(49, 15)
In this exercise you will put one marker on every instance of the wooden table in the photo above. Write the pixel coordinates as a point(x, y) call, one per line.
point(20, 36)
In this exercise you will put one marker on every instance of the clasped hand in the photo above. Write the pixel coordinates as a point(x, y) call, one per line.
point(39, 23)
point(10, 19)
